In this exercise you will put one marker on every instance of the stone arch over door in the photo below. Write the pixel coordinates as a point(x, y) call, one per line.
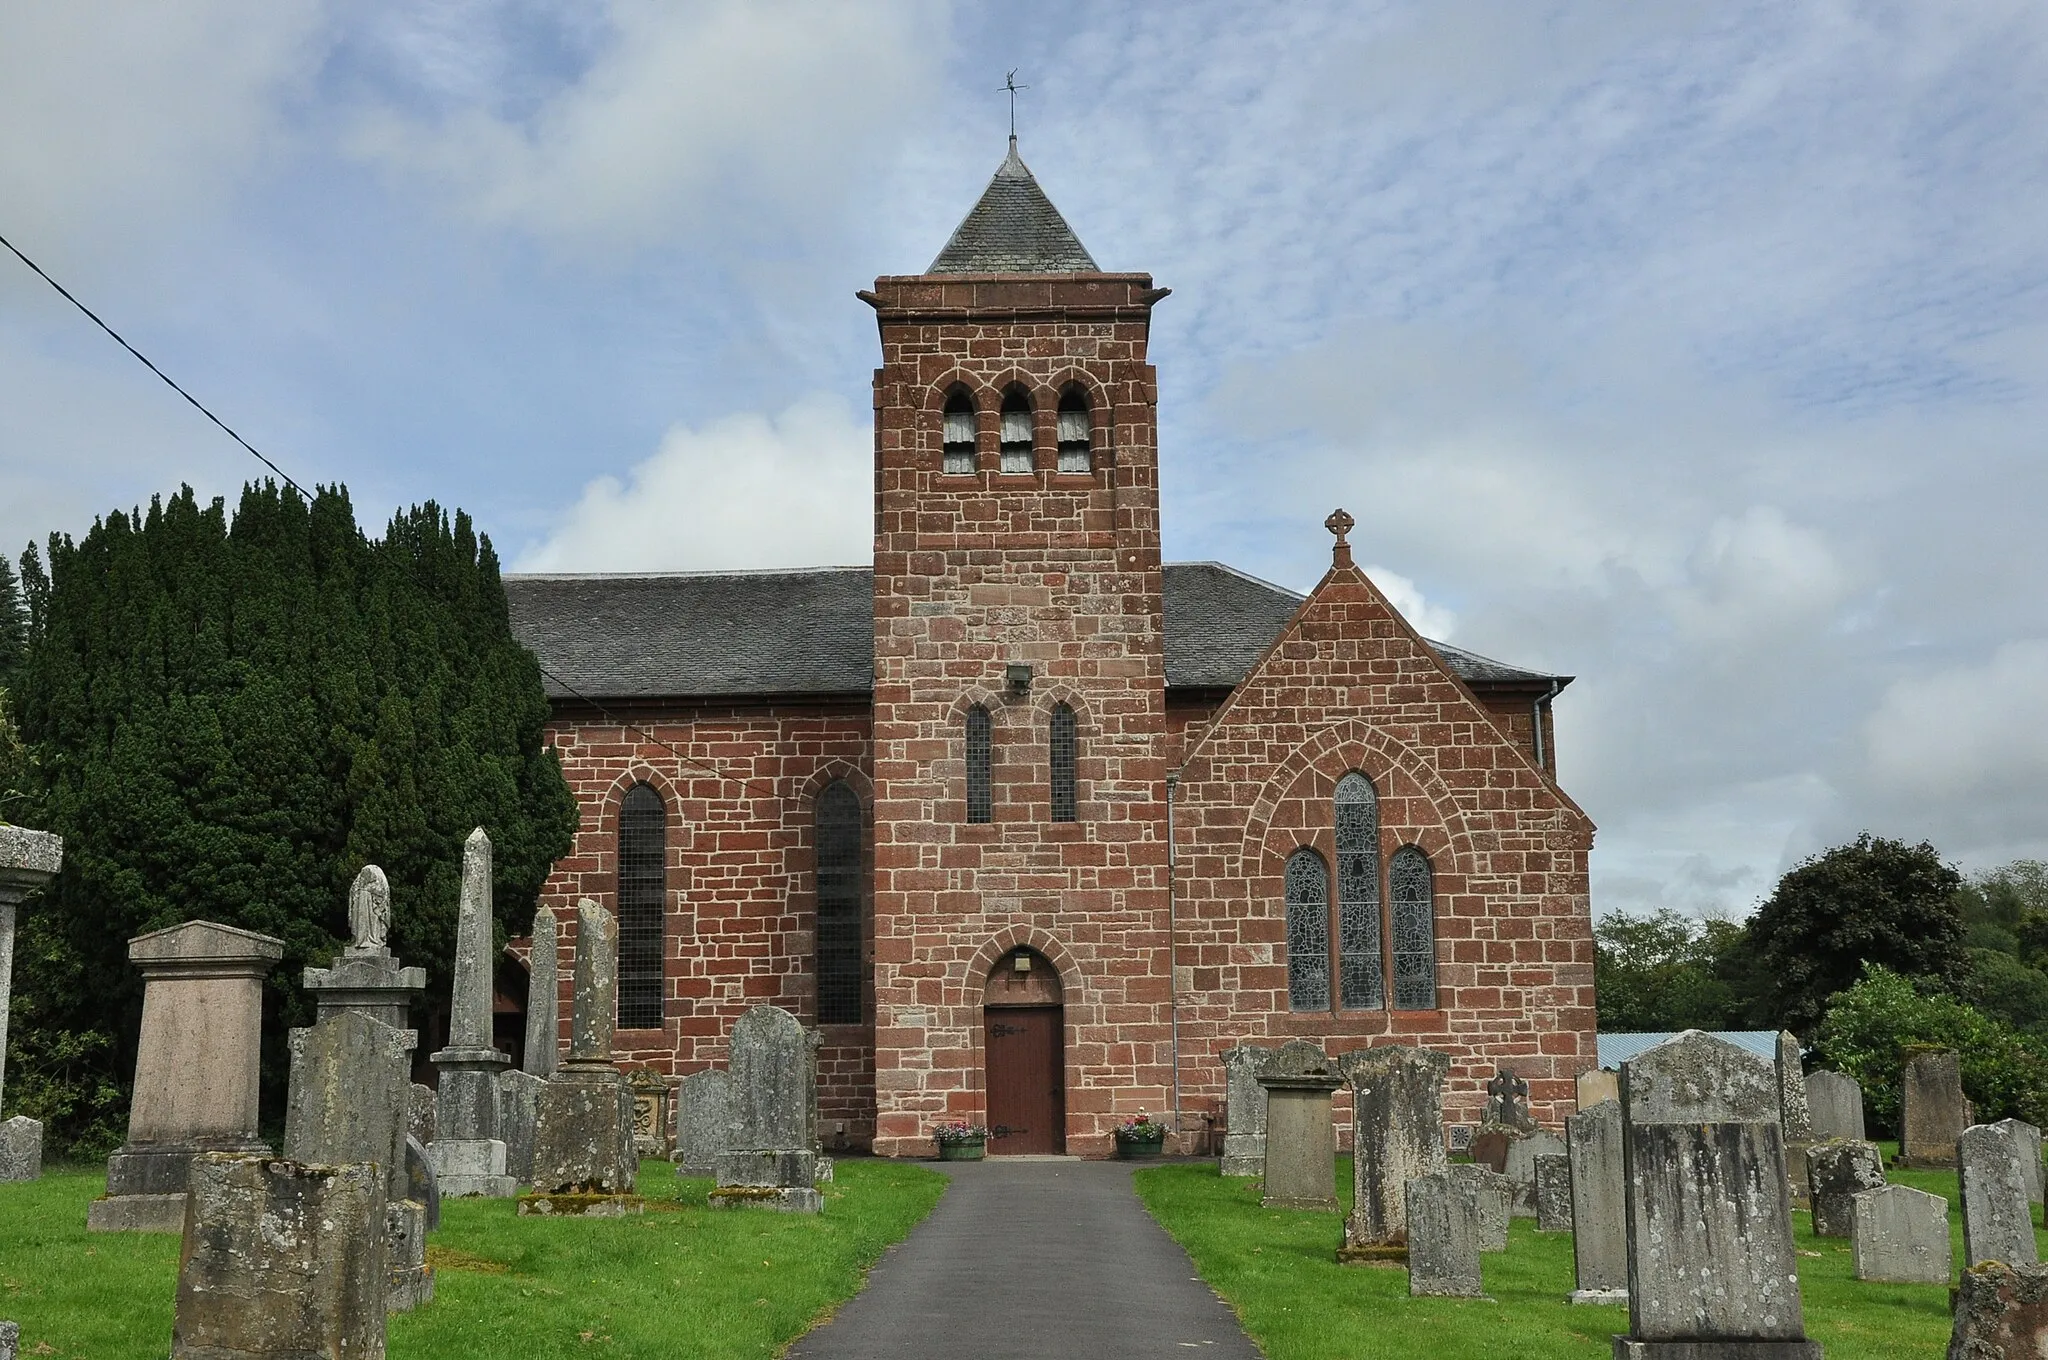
point(1023, 1027)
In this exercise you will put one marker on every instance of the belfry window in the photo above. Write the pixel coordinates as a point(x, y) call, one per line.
point(1308, 932)
point(1076, 453)
point(643, 894)
point(1412, 885)
point(839, 969)
point(1358, 893)
point(1016, 431)
point(1065, 752)
point(980, 797)
point(959, 434)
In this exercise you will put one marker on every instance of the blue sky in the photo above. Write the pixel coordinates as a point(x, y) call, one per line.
point(1699, 351)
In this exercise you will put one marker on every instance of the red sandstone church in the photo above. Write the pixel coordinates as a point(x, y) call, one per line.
point(1028, 823)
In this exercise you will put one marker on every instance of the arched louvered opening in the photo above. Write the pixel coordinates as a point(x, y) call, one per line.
point(840, 973)
point(1308, 931)
point(1016, 445)
point(1411, 884)
point(958, 434)
point(642, 898)
point(980, 793)
point(1065, 741)
point(1077, 452)
point(1358, 894)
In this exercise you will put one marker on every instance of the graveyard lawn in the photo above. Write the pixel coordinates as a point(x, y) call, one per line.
point(1278, 1269)
point(683, 1280)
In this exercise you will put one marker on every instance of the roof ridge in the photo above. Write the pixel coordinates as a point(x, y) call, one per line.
point(673, 575)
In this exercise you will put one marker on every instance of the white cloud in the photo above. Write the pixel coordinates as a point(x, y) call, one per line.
point(1970, 732)
point(1431, 620)
point(743, 491)
point(1758, 575)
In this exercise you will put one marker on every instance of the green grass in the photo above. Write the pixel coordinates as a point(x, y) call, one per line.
point(681, 1281)
point(1279, 1271)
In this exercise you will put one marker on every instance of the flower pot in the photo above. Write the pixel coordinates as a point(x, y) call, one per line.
point(1132, 1149)
point(966, 1151)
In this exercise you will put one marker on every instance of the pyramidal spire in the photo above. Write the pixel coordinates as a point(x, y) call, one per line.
point(1013, 229)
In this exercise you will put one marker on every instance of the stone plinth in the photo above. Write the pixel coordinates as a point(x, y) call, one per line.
point(1932, 1110)
point(2001, 1313)
point(1998, 1219)
point(772, 1161)
point(28, 859)
point(1443, 1246)
point(1301, 1138)
point(1599, 1204)
point(1835, 1105)
point(1244, 1113)
point(1900, 1235)
point(196, 1068)
point(1397, 1103)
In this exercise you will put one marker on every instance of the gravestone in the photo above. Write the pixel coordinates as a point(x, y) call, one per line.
point(1554, 1193)
point(1932, 1111)
point(10, 1340)
point(1301, 1139)
point(1486, 1193)
point(1837, 1171)
point(583, 1156)
point(468, 1149)
point(1397, 1120)
point(2001, 1313)
point(1599, 1204)
point(420, 1114)
point(771, 1162)
point(1998, 1219)
point(1598, 1085)
point(1522, 1155)
point(651, 1095)
point(196, 1066)
point(1443, 1247)
point(28, 859)
point(703, 1122)
point(365, 978)
point(1899, 1235)
point(518, 1120)
point(1793, 1115)
point(281, 1259)
point(1244, 1113)
point(1505, 1121)
point(543, 998)
point(1835, 1104)
point(421, 1185)
point(1711, 1269)
point(2027, 1138)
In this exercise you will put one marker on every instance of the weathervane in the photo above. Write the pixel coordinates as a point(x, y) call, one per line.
point(1010, 84)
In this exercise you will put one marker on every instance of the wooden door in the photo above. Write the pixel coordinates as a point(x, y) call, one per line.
point(1027, 1098)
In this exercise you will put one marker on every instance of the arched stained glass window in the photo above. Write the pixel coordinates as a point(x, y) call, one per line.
point(959, 434)
point(1076, 452)
point(1017, 435)
point(1358, 894)
point(839, 897)
point(1066, 749)
point(1308, 932)
point(643, 895)
point(1412, 886)
point(980, 796)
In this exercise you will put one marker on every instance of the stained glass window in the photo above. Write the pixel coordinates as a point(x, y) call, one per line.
point(1065, 751)
point(1016, 432)
point(1308, 932)
point(1358, 893)
point(1075, 452)
point(643, 894)
point(1412, 886)
point(959, 434)
point(839, 894)
point(980, 798)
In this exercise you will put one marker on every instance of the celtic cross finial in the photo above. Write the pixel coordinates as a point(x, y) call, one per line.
point(1339, 524)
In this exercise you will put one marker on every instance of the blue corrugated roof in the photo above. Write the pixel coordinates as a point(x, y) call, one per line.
point(1616, 1049)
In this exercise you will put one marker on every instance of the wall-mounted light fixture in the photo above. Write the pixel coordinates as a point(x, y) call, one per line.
point(1017, 676)
point(1021, 963)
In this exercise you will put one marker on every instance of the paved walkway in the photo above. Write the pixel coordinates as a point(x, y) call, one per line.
point(1027, 1259)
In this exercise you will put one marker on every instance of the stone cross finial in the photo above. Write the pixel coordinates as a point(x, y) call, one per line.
point(369, 910)
point(1339, 523)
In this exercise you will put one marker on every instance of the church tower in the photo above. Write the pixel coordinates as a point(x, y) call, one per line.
point(1021, 931)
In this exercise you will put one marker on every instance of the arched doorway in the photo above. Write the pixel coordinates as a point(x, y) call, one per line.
point(1024, 1044)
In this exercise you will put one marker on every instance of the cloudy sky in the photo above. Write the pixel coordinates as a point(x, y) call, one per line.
point(1696, 350)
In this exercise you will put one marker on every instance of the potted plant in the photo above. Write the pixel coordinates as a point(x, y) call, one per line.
point(1140, 1137)
point(961, 1142)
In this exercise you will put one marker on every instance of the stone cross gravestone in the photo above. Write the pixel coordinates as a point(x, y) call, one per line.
point(1711, 1269)
point(1932, 1110)
point(1835, 1105)
point(1486, 1193)
point(2001, 1313)
point(1443, 1246)
point(772, 1161)
point(1301, 1139)
point(1837, 1171)
point(1554, 1193)
point(1522, 1156)
point(543, 997)
point(1244, 1113)
point(196, 1066)
point(468, 1150)
point(2027, 1138)
point(1507, 1101)
point(1397, 1113)
point(1998, 1219)
point(1900, 1235)
point(28, 859)
point(703, 1122)
point(583, 1139)
point(1599, 1205)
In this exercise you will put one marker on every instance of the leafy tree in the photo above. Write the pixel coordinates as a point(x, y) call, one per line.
point(1872, 901)
point(1662, 972)
point(231, 717)
point(2008, 990)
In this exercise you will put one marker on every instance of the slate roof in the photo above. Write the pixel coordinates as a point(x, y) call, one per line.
point(1013, 229)
point(811, 632)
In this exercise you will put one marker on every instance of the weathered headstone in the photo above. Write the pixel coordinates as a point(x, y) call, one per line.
point(1522, 1156)
point(1597, 1085)
point(1835, 1104)
point(1998, 1219)
point(1794, 1114)
point(1443, 1246)
point(281, 1259)
point(583, 1156)
point(1711, 1268)
point(10, 1340)
point(651, 1096)
point(1900, 1235)
point(196, 1065)
point(1244, 1113)
point(1599, 1204)
point(2001, 1313)
point(543, 998)
point(1301, 1139)
point(1554, 1193)
point(518, 1120)
point(468, 1149)
point(421, 1185)
point(703, 1122)
point(1486, 1193)
point(772, 1160)
point(420, 1113)
point(1837, 1171)
point(2027, 1138)
point(1397, 1119)
point(1932, 1110)
point(28, 859)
